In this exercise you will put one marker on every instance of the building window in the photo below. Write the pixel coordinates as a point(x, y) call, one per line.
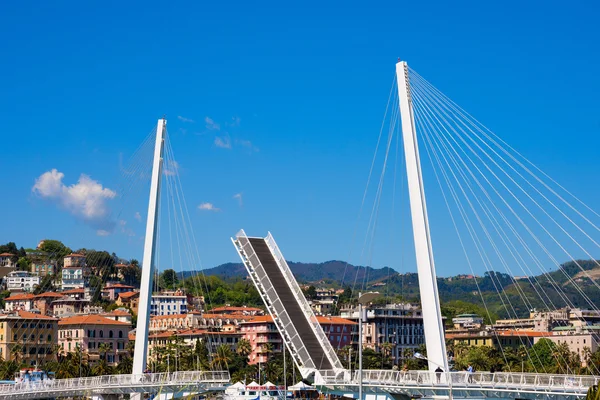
point(110, 334)
point(121, 335)
point(101, 334)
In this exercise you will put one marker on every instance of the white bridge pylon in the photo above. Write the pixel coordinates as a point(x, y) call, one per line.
point(430, 300)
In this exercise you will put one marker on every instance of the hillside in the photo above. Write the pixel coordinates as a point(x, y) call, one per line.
point(333, 272)
point(518, 297)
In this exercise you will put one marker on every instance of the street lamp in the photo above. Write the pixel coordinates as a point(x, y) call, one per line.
point(422, 357)
point(362, 299)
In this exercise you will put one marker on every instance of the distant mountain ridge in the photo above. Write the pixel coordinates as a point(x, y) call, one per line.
point(333, 271)
point(555, 287)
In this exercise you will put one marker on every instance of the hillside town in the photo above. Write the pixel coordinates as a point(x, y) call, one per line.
point(70, 306)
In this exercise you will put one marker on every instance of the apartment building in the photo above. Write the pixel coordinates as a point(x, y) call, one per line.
point(168, 303)
point(27, 337)
point(398, 324)
point(90, 333)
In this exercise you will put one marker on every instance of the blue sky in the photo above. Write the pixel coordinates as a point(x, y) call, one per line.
point(297, 92)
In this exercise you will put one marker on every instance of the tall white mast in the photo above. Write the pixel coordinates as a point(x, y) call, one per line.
point(143, 322)
point(430, 301)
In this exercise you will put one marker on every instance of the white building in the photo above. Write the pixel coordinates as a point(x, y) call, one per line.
point(467, 321)
point(21, 281)
point(168, 303)
point(19, 301)
point(75, 272)
point(398, 324)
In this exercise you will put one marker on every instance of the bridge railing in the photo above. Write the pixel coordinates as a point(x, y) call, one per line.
point(283, 321)
point(464, 379)
point(174, 378)
point(302, 302)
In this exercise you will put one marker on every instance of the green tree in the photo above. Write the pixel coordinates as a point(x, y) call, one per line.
point(243, 347)
point(310, 293)
point(56, 250)
point(222, 357)
point(169, 279)
point(102, 368)
point(103, 348)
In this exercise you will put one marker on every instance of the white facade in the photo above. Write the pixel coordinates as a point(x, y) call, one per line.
point(21, 281)
point(19, 301)
point(72, 278)
point(168, 303)
point(399, 324)
point(467, 321)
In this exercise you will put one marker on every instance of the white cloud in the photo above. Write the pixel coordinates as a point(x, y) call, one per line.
point(211, 124)
point(208, 207)
point(235, 121)
point(239, 198)
point(247, 144)
point(138, 216)
point(184, 119)
point(86, 199)
point(223, 142)
point(102, 232)
point(170, 167)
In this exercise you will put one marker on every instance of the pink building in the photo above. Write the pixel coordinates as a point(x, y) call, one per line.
point(111, 292)
point(261, 331)
point(89, 332)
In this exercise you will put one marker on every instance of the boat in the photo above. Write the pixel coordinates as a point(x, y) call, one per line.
point(254, 391)
point(33, 375)
point(302, 391)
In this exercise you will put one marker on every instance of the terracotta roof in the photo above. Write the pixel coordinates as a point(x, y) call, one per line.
point(175, 316)
point(48, 294)
point(334, 320)
point(192, 332)
point(118, 286)
point(260, 319)
point(30, 315)
point(126, 295)
point(92, 319)
point(497, 333)
point(232, 308)
point(20, 296)
point(321, 319)
point(74, 291)
point(7, 255)
point(121, 265)
point(75, 255)
point(117, 312)
point(228, 316)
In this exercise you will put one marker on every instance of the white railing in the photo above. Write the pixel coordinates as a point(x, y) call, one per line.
point(303, 303)
point(123, 382)
point(464, 380)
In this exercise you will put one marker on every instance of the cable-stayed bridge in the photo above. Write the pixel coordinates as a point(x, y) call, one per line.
point(493, 192)
point(488, 189)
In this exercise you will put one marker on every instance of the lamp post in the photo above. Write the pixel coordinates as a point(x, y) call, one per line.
point(422, 357)
point(362, 299)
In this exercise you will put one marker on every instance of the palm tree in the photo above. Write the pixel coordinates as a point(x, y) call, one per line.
point(125, 366)
point(222, 357)
point(243, 347)
point(102, 368)
point(17, 352)
point(103, 348)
